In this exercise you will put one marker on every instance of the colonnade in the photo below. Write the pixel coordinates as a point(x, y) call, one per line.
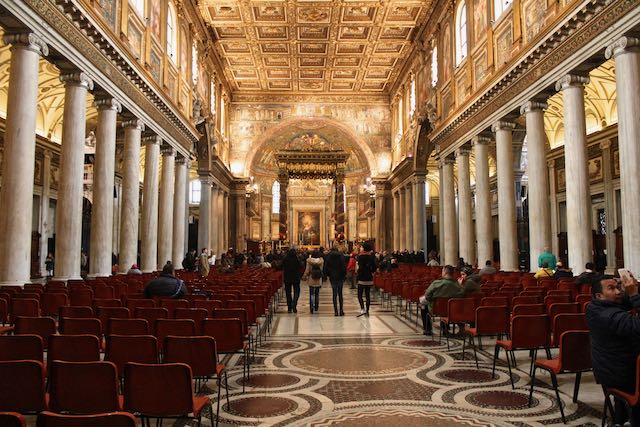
point(163, 221)
point(410, 223)
point(213, 216)
point(457, 229)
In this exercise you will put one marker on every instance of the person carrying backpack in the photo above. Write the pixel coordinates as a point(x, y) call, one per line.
point(313, 277)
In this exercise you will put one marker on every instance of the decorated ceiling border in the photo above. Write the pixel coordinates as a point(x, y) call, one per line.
point(592, 20)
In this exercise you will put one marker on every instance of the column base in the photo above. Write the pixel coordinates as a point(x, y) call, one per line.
point(14, 283)
point(65, 279)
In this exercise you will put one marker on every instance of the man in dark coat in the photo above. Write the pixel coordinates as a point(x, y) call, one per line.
point(291, 274)
point(336, 270)
point(166, 285)
point(615, 337)
point(588, 277)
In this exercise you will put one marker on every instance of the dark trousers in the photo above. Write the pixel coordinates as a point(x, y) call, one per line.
point(314, 297)
point(366, 289)
point(292, 297)
point(426, 319)
point(336, 287)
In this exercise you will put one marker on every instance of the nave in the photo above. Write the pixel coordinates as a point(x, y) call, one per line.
point(320, 370)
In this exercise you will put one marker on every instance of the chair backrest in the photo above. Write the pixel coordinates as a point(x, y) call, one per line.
point(24, 307)
point(172, 304)
point(83, 387)
point(440, 307)
point(208, 305)
point(492, 320)
point(50, 303)
point(21, 347)
point(128, 327)
point(228, 334)
point(568, 322)
point(42, 326)
point(151, 314)
point(552, 299)
point(121, 349)
point(73, 348)
point(530, 331)
point(462, 310)
point(22, 386)
point(526, 299)
point(111, 419)
point(133, 303)
point(158, 389)
point(575, 351)
point(106, 292)
point(198, 352)
point(107, 313)
point(81, 326)
point(233, 313)
point(177, 327)
point(78, 312)
point(4, 310)
point(249, 306)
point(81, 297)
point(195, 314)
point(562, 307)
point(12, 419)
point(530, 309)
point(495, 302)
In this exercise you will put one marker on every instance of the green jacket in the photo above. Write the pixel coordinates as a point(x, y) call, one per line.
point(442, 288)
point(547, 257)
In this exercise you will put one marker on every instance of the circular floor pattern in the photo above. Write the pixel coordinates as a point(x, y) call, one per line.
point(472, 376)
point(359, 360)
point(278, 345)
point(398, 420)
point(422, 343)
point(261, 407)
point(271, 380)
point(498, 399)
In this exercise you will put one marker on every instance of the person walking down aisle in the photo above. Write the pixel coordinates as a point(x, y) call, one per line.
point(351, 271)
point(291, 270)
point(336, 270)
point(313, 277)
point(366, 266)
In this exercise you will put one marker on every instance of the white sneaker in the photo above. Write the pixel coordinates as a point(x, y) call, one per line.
point(363, 311)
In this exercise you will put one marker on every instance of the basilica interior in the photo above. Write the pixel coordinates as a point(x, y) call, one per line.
point(132, 131)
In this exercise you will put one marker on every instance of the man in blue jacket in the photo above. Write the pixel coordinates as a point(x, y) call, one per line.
point(615, 337)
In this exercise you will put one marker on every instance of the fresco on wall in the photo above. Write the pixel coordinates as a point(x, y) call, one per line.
point(135, 38)
point(154, 18)
point(533, 18)
point(479, 19)
point(446, 52)
point(184, 53)
point(109, 12)
point(479, 68)
point(503, 46)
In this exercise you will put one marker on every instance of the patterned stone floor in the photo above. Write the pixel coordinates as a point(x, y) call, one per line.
point(321, 370)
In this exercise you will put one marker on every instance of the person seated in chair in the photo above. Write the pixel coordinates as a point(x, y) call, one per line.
point(615, 337)
point(445, 287)
point(166, 285)
point(544, 272)
point(469, 281)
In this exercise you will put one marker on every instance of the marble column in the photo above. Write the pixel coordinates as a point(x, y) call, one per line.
point(241, 220)
point(225, 219)
point(396, 221)
point(221, 221)
point(579, 238)
point(45, 226)
point(130, 208)
point(165, 209)
point(149, 220)
point(16, 194)
point(538, 188)
point(420, 214)
point(103, 179)
point(283, 229)
point(553, 208)
point(69, 204)
point(506, 196)
point(179, 211)
point(449, 208)
point(408, 209)
point(465, 218)
point(626, 51)
point(339, 206)
point(204, 212)
point(214, 218)
point(380, 226)
point(440, 211)
point(484, 228)
point(609, 205)
point(403, 219)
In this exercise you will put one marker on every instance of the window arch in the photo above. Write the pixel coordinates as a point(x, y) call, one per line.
point(275, 197)
point(499, 6)
point(461, 32)
point(172, 37)
point(194, 64)
point(434, 66)
point(138, 6)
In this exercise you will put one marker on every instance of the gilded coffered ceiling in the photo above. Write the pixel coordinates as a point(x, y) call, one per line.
point(331, 46)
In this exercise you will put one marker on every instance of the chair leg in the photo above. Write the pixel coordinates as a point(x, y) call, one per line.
point(226, 387)
point(475, 354)
point(576, 387)
point(496, 352)
point(554, 382)
point(513, 387)
point(533, 380)
point(464, 342)
point(218, 406)
point(533, 360)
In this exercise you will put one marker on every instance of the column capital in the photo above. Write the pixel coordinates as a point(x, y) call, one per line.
point(622, 45)
point(133, 124)
point(533, 106)
point(167, 150)
point(182, 160)
point(551, 164)
point(27, 40)
point(47, 154)
point(108, 103)
point(77, 78)
point(480, 140)
point(402, 190)
point(152, 140)
point(502, 125)
point(571, 80)
point(463, 151)
point(449, 160)
point(605, 145)
point(420, 178)
point(206, 180)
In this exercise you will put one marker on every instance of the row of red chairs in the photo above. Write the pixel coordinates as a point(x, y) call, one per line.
point(51, 419)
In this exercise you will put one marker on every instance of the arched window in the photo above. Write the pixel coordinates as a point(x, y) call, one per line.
point(194, 64)
point(138, 6)
point(461, 33)
point(194, 191)
point(412, 96)
point(275, 197)
point(172, 38)
point(499, 6)
point(434, 66)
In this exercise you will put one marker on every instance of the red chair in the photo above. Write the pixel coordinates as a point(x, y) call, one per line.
point(83, 387)
point(460, 312)
point(44, 327)
point(236, 313)
point(105, 302)
point(81, 297)
point(561, 308)
point(229, 338)
point(162, 391)
point(193, 298)
point(574, 357)
point(133, 303)
point(73, 348)
point(583, 298)
point(496, 302)
point(128, 327)
point(21, 347)
point(12, 419)
point(24, 308)
point(78, 312)
point(176, 327)
point(151, 314)
point(567, 322)
point(111, 419)
point(172, 304)
point(208, 305)
point(82, 326)
point(630, 399)
point(489, 320)
point(22, 386)
point(121, 349)
point(195, 314)
point(553, 299)
point(104, 292)
point(107, 313)
point(526, 299)
point(201, 355)
point(528, 309)
point(527, 333)
point(50, 303)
